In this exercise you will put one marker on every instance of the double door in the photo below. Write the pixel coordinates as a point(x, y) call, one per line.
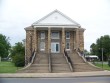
point(55, 47)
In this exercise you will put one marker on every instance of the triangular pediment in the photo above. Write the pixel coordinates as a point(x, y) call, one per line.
point(56, 18)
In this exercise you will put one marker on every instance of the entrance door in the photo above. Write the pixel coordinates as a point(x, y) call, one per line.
point(55, 47)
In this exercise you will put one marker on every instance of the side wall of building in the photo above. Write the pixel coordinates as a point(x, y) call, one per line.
point(29, 43)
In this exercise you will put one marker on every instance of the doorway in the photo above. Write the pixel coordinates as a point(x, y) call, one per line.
point(55, 47)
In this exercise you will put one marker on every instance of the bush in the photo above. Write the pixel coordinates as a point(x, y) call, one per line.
point(19, 60)
point(109, 62)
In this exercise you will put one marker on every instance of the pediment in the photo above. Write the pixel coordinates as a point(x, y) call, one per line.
point(56, 18)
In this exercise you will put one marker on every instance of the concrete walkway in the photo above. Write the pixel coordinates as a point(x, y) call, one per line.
point(50, 75)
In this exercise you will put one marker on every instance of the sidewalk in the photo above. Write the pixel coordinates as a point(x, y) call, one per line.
point(52, 75)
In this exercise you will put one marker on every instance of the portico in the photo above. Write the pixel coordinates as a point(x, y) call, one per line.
point(53, 33)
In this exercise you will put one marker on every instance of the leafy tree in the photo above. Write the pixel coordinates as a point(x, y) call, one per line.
point(101, 43)
point(4, 46)
point(93, 49)
point(86, 52)
point(18, 54)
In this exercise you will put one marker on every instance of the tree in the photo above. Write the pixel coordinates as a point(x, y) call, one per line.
point(93, 49)
point(4, 46)
point(86, 52)
point(18, 54)
point(101, 43)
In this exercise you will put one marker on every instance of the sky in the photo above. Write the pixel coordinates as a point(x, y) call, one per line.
point(93, 15)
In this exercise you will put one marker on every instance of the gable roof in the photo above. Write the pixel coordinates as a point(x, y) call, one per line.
point(55, 18)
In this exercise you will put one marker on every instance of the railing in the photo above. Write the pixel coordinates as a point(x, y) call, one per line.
point(68, 60)
point(50, 61)
point(32, 57)
point(81, 54)
point(31, 60)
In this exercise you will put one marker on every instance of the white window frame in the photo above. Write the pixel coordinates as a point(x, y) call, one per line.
point(42, 49)
point(42, 35)
point(69, 46)
point(69, 35)
point(52, 37)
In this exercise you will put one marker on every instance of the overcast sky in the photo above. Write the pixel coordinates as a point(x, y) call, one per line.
point(93, 15)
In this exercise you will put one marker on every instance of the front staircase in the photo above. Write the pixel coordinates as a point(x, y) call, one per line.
point(59, 63)
point(40, 65)
point(80, 65)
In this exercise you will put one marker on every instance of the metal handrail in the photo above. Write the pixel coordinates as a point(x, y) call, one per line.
point(31, 60)
point(31, 57)
point(50, 61)
point(81, 54)
point(68, 60)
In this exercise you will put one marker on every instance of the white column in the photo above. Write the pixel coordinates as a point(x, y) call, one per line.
point(35, 39)
point(77, 38)
point(63, 39)
point(49, 39)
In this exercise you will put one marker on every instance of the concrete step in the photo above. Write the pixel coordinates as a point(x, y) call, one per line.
point(79, 64)
point(60, 68)
point(34, 71)
point(61, 72)
point(59, 64)
point(41, 58)
point(75, 59)
point(38, 68)
point(85, 67)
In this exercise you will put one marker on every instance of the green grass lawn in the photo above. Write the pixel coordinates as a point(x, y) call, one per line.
point(105, 66)
point(7, 67)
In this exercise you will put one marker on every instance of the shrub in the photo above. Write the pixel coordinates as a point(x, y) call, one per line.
point(19, 60)
point(109, 62)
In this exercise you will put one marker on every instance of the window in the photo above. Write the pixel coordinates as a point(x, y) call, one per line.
point(42, 35)
point(67, 35)
point(67, 45)
point(42, 46)
point(55, 35)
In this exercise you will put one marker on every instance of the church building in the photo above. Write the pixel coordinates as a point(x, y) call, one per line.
point(55, 44)
point(53, 33)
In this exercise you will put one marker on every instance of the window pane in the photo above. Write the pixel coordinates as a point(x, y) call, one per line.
point(57, 47)
point(67, 35)
point(42, 35)
point(55, 35)
point(42, 45)
point(67, 45)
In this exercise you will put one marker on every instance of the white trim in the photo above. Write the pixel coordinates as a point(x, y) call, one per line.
point(38, 22)
point(57, 26)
